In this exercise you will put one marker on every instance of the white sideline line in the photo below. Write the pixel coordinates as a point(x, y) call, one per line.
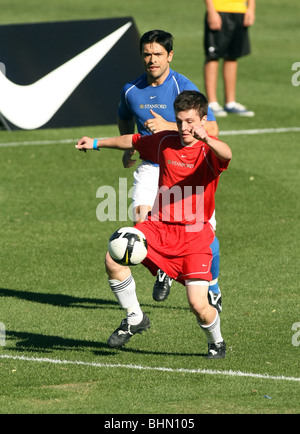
point(37, 143)
point(150, 368)
point(259, 131)
point(221, 133)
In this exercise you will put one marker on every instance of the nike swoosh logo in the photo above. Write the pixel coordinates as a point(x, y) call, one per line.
point(29, 107)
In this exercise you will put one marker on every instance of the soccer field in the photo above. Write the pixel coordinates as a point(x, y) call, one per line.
point(56, 309)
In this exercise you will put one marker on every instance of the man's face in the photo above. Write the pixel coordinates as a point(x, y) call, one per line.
point(156, 61)
point(186, 121)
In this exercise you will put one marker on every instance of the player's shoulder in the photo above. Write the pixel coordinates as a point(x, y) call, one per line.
point(168, 139)
point(182, 81)
point(140, 81)
point(168, 133)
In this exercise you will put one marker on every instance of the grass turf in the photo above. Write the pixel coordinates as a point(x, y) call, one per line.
point(54, 298)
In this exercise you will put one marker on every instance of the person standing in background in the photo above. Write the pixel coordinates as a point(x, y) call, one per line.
point(226, 37)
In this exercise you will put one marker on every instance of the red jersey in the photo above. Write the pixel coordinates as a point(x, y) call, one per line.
point(188, 178)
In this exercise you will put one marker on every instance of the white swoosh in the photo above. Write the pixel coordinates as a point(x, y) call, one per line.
point(31, 106)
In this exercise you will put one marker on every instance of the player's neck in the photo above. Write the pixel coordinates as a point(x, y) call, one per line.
point(188, 145)
point(157, 81)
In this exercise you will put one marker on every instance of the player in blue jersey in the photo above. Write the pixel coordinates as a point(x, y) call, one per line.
point(147, 102)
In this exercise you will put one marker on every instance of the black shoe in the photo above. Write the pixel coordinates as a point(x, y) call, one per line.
point(216, 351)
point(215, 300)
point(123, 333)
point(162, 286)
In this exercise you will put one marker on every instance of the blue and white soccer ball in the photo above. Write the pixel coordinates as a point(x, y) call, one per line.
point(128, 246)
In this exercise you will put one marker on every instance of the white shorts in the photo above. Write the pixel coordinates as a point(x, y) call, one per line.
point(145, 184)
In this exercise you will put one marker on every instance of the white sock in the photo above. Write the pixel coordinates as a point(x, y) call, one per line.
point(127, 299)
point(230, 104)
point(213, 331)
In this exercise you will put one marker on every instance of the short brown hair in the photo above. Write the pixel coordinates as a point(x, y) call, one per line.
point(191, 99)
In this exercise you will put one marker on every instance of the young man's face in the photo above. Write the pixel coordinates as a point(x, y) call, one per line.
point(156, 62)
point(186, 121)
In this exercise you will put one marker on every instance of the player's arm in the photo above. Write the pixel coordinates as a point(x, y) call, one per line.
point(212, 128)
point(127, 126)
point(219, 148)
point(120, 142)
point(249, 16)
point(213, 17)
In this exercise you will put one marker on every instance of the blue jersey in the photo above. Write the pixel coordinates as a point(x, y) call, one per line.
point(137, 98)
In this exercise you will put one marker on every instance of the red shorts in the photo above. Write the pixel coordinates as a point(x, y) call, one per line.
point(180, 253)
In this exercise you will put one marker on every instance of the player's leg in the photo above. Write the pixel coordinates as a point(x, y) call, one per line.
point(140, 213)
point(230, 68)
point(144, 194)
point(238, 47)
point(214, 43)
point(122, 285)
point(214, 292)
point(211, 68)
point(207, 317)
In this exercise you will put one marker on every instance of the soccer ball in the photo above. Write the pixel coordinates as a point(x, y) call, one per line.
point(128, 246)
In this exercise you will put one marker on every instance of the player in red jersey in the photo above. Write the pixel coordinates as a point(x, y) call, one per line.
point(178, 231)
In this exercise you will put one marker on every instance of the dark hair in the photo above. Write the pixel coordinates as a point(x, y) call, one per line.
point(160, 36)
point(191, 99)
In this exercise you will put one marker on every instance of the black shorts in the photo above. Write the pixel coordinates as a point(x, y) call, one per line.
point(231, 42)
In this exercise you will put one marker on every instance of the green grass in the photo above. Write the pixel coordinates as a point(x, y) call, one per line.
point(54, 298)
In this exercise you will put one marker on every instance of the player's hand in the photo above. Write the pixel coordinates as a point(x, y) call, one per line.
point(199, 133)
point(214, 20)
point(156, 124)
point(249, 18)
point(84, 144)
point(127, 160)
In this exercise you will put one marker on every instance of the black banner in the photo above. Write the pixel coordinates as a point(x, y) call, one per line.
point(66, 74)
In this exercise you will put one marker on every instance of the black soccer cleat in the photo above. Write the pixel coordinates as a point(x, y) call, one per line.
point(216, 351)
point(215, 300)
point(123, 333)
point(162, 286)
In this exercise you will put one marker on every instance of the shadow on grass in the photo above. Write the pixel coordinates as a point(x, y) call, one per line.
point(62, 300)
point(58, 299)
point(39, 343)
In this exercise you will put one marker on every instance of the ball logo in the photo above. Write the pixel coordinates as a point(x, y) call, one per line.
point(127, 246)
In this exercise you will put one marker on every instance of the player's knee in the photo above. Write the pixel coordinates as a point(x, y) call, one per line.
point(111, 266)
point(115, 270)
point(140, 213)
point(199, 307)
point(138, 220)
